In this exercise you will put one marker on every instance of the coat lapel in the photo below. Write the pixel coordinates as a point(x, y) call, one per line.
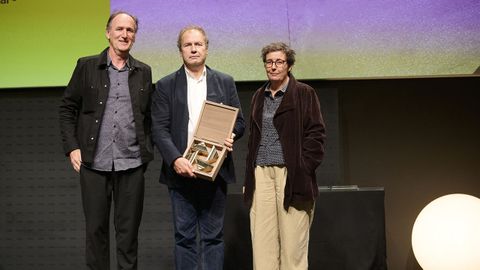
point(181, 97)
point(257, 111)
point(104, 86)
point(180, 106)
point(213, 87)
point(181, 87)
point(288, 101)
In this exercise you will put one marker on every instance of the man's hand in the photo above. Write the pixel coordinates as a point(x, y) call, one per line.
point(183, 167)
point(229, 143)
point(76, 159)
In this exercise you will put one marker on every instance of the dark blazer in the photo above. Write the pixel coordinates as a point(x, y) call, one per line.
point(84, 99)
point(170, 120)
point(301, 131)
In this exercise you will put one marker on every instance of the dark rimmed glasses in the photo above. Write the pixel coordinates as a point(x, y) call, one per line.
point(278, 63)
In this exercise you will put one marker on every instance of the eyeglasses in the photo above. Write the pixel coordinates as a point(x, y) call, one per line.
point(278, 63)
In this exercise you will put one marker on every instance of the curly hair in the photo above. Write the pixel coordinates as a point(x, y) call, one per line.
point(279, 46)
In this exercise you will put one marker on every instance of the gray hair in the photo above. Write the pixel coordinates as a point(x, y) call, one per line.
point(116, 13)
point(188, 28)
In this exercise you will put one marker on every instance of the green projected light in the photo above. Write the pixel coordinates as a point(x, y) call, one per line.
point(41, 40)
point(334, 39)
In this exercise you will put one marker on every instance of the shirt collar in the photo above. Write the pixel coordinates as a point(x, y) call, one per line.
point(109, 63)
point(280, 93)
point(189, 75)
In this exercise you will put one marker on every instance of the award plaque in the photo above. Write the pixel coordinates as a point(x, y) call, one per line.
point(207, 151)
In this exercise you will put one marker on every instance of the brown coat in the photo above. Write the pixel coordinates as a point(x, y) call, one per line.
point(301, 129)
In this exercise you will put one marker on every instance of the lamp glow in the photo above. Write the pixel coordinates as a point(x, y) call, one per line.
point(446, 234)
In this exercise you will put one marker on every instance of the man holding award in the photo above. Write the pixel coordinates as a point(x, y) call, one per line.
point(198, 205)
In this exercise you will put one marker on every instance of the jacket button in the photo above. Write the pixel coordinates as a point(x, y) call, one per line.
point(105, 86)
point(100, 103)
point(91, 138)
point(96, 120)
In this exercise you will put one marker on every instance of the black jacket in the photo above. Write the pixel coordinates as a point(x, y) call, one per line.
point(170, 120)
point(84, 99)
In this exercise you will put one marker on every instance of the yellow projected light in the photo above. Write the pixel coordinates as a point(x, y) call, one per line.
point(42, 40)
point(446, 234)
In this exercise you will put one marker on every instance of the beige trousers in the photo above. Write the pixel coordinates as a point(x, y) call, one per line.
point(279, 237)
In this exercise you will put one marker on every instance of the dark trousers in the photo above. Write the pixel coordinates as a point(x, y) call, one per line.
point(200, 206)
point(126, 188)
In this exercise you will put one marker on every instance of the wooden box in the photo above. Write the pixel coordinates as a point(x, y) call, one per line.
point(207, 151)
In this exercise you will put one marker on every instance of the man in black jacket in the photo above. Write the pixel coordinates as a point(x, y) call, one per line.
point(105, 127)
point(198, 205)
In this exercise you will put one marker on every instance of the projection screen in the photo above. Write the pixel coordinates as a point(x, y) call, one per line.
point(332, 38)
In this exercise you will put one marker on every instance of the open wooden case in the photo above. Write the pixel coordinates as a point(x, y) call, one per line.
point(207, 151)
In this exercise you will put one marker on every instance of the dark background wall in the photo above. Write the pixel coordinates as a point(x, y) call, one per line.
point(418, 138)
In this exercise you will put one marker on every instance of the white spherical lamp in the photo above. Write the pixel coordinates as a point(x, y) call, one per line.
point(446, 234)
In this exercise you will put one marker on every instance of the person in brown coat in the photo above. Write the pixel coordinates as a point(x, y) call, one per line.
point(285, 146)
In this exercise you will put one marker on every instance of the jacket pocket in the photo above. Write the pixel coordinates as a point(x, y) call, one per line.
point(90, 100)
point(144, 94)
